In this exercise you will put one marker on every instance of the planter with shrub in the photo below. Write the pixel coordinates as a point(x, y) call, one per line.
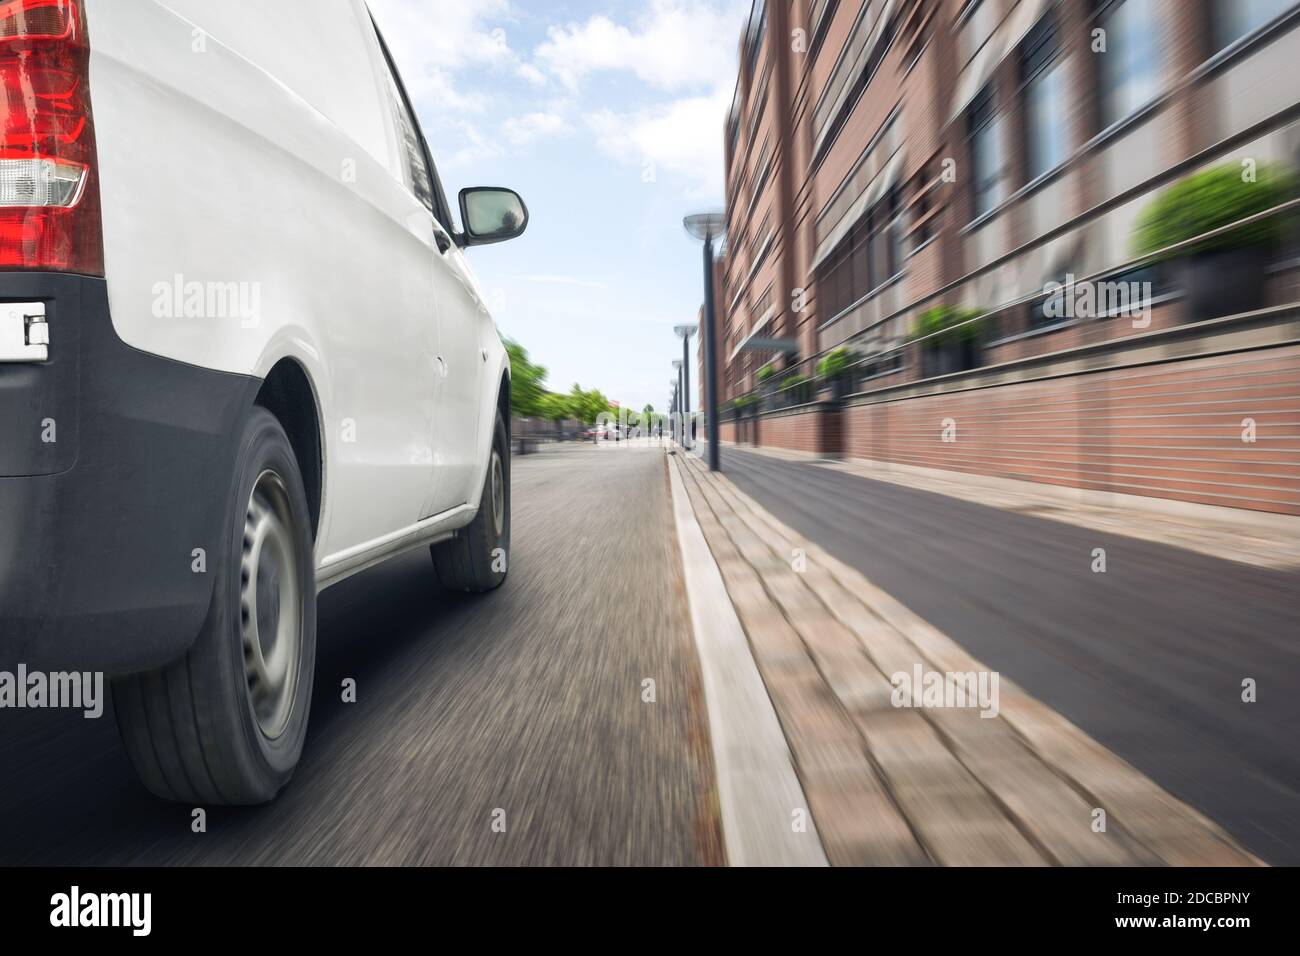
point(1224, 275)
point(951, 339)
point(796, 390)
point(838, 369)
point(765, 384)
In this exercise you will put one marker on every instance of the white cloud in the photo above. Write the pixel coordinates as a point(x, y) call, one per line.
point(474, 148)
point(676, 45)
point(517, 132)
point(683, 137)
point(522, 130)
point(526, 71)
point(480, 98)
point(432, 40)
point(682, 47)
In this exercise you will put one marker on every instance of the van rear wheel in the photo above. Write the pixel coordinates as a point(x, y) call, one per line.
point(225, 725)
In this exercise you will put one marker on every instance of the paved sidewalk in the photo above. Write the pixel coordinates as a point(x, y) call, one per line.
point(888, 785)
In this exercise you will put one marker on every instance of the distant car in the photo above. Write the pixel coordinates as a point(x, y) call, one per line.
point(242, 357)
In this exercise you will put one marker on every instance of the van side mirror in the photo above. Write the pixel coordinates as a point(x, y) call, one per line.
point(491, 215)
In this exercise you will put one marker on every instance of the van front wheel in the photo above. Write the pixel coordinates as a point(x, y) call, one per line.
point(477, 558)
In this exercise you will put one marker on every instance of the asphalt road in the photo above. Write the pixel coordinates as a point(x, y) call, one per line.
point(1148, 658)
point(527, 701)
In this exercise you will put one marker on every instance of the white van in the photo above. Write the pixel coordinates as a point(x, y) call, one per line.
point(242, 357)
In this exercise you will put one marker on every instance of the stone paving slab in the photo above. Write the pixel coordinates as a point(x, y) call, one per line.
point(925, 785)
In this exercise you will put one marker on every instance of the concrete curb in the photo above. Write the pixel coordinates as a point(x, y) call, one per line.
point(758, 789)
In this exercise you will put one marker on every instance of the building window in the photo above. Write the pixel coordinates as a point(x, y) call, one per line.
point(762, 239)
point(924, 232)
point(1130, 66)
point(1049, 312)
point(760, 106)
point(986, 153)
point(878, 263)
point(867, 258)
point(1045, 99)
point(1234, 19)
point(847, 82)
point(978, 21)
point(882, 364)
point(1143, 287)
point(823, 12)
point(921, 224)
point(758, 31)
point(885, 239)
point(842, 272)
point(733, 123)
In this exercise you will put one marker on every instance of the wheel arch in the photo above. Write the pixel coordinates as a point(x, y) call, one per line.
point(503, 400)
point(287, 393)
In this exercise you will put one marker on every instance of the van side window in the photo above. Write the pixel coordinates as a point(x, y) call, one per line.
point(415, 168)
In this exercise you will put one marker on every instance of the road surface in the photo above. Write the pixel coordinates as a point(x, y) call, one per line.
point(1148, 658)
point(527, 701)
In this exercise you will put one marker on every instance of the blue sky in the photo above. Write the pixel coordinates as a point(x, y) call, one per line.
point(607, 117)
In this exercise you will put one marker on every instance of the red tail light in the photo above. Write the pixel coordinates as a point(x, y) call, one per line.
point(49, 194)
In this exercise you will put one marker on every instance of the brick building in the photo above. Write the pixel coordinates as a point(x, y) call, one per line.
point(993, 157)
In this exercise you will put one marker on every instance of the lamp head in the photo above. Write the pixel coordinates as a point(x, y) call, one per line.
point(705, 225)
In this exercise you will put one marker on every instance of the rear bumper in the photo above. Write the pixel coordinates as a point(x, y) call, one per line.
point(99, 528)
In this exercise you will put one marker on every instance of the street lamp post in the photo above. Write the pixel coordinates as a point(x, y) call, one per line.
point(681, 432)
point(707, 226)
point(686, 331)
point(672, 406)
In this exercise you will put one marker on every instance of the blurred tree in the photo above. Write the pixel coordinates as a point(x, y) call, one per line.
point(556, 407)
point(527, 389)
point(587, 406)
point(529, 397)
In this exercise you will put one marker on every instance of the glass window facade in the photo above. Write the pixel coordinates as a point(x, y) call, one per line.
point(1131, 64)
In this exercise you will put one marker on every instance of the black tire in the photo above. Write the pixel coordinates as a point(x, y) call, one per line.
point(477, 559)
point(205, 730)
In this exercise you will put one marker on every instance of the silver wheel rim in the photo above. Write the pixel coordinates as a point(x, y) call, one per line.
point(498, 492)
point(270, 605)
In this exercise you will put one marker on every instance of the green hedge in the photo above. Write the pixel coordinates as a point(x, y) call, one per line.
point(943, 319)
point(1210, 200)
point(836, 363)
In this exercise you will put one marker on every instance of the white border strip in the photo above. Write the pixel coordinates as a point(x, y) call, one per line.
point(758, 790)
